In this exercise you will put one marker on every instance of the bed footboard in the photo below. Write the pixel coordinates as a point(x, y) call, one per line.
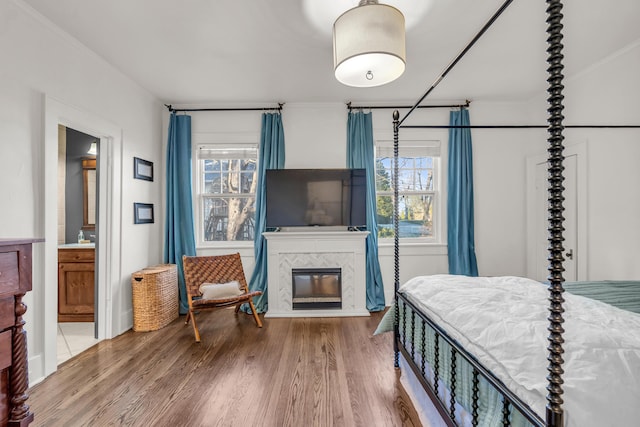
point(440, 362)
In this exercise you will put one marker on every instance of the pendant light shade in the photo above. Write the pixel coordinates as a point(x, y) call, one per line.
point(369, 45)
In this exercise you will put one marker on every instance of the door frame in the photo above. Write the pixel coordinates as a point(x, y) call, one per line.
point(580, 151)
point(108, 247)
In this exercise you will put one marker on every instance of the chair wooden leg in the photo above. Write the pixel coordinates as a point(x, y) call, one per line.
point(186, 321)
point(195, 328)
point(255, 313)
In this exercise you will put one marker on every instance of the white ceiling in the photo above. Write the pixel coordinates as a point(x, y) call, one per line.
point(235, 51)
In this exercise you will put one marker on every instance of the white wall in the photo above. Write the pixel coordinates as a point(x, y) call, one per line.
point(39, 62)
point(315, 136)
point(604, 93)
point(607, 93)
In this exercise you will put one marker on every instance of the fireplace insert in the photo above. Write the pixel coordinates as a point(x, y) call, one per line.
point(316, 288)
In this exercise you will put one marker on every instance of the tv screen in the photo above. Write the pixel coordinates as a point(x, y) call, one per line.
point(315, 197)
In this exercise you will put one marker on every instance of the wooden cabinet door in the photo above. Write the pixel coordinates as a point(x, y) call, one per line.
point(76, 292)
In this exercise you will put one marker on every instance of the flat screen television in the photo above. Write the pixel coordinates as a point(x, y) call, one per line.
point(315, 197)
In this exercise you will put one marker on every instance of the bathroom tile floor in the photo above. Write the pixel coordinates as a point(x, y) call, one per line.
point(74, 338)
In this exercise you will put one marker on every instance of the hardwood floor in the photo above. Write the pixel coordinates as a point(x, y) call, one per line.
point(293, 372)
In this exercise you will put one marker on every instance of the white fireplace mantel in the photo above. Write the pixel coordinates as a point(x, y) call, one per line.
point(316, 249)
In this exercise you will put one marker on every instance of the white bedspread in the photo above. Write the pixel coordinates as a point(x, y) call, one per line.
point(503, 322)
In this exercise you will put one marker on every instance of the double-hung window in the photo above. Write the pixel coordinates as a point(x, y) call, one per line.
point(418, 189)
point(226, 187)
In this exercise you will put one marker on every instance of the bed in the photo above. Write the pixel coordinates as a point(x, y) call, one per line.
point(509, 350)
point(500, 323)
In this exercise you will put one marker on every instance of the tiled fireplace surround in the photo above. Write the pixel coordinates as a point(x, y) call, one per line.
point(316, 249)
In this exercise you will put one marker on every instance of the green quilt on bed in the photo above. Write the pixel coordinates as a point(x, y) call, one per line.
point(621, 294)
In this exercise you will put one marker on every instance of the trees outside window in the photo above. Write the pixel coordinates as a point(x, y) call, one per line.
point(417, 190)
point(227, 193)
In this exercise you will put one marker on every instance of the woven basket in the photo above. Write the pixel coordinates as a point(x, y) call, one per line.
point(155, 297)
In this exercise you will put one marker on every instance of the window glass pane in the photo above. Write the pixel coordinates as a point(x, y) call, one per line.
point(429, 179)
point(227, 192)
point(404, 162)
point(228, 218)
point(211, 165)
point(385, 216)
point(212, 183)
point(424, 162)
point(412, 176)
point(406, 180)
point(383, 176)
point(241, 223)
point(233, 182)
point(247, 181)
point(416, 176)
point(215, 219)
point(415, 216)
point(224, 182)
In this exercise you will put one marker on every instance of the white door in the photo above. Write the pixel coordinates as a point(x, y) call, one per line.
point(570, 222)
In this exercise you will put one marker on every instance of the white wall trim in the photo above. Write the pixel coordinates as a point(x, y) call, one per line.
point(607, 59)
point(108, 247)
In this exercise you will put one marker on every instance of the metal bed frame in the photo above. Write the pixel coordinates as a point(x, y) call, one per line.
point(458, 355)
point(554, 411)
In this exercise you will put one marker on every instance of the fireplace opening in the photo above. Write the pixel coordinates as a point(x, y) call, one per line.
point(316, 288)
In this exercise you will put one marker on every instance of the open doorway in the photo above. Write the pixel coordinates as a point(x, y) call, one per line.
point(78, 174)
point(108, 247)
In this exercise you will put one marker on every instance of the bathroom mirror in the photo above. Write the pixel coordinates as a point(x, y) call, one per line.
point(89, 194)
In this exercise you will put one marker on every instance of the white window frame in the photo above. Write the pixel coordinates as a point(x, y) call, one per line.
point(199, 195)
point(431, 148)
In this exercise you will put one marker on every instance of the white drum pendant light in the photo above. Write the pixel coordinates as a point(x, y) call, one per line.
point(368, 45)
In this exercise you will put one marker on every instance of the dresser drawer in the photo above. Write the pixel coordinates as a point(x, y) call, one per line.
point(9, 272)
point(76, 255)
point(7, 313)
point(5, 349)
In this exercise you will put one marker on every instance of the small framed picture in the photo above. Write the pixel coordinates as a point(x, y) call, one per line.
point(143, 213)
point(142, 169)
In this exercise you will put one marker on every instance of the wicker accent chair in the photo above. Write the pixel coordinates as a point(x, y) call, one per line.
point(215, 269)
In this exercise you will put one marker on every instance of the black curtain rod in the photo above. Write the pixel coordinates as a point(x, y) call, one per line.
point(518, 126)
point(459, 57)
point(387, 107)
point(179, 110)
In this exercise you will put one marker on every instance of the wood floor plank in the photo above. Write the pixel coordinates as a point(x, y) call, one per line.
point(292, 372)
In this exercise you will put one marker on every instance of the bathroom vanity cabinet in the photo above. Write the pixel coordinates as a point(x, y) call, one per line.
point(76, 283)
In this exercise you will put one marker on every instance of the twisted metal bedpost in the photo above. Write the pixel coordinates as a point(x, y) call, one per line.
point(396, 229)
point(554, 412)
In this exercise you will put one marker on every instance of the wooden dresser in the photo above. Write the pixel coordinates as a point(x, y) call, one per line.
point(15, 282)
